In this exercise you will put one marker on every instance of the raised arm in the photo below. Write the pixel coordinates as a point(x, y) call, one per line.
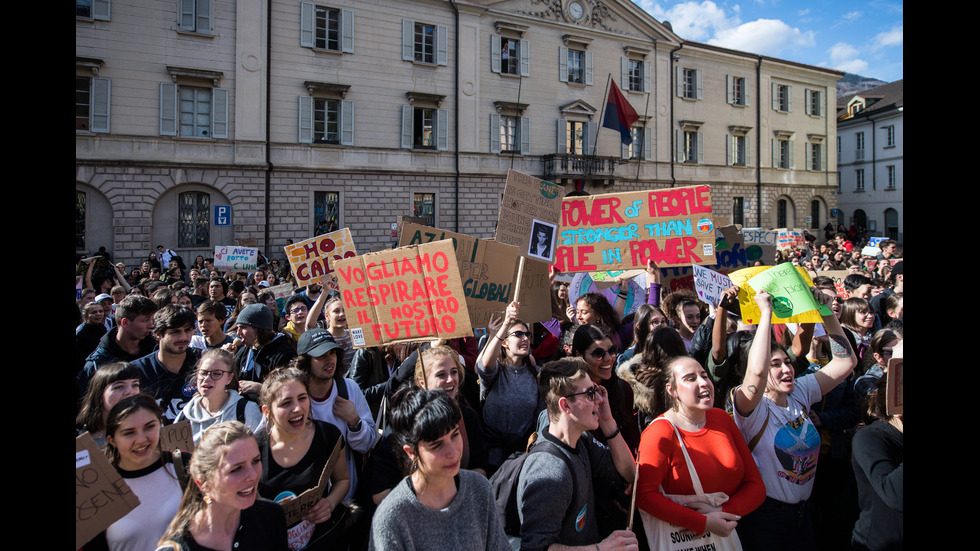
point(844, 359)
point(653, 283)
point(314, 314)
point(749, 394)
point(802, 340)
point(120, 278)
point(491, 351)
point(719, 331)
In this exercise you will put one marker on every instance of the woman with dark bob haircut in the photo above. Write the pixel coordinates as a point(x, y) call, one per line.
point(437, 506)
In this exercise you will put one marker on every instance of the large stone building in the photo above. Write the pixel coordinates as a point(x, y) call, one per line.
point(870, 151)
point(195, 113)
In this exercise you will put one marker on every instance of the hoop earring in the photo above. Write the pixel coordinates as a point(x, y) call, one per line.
point(207, 500)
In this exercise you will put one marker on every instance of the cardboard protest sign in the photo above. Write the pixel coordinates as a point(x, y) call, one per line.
point(282, 293)
point(709, 284)
point(895, 397)
point(765, 240)
point(488, 271)
point(870, 251)
point(790, 292)
point(178, 436)
point(583, 283)
point(229, 258)
point(298, 506)
point(312, 260)
point(787, 240)
point(731, 253)
point(838, 277)
point(621, 231)
point(529, 215)
point(783, 284)
point(402, 295)
point(101, 496)
point(605, 280)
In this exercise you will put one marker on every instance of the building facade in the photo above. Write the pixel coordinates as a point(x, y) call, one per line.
point(870, 155)
point(213, 122)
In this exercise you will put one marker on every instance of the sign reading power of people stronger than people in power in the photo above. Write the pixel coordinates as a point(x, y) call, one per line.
point(621, 231)
point(406, 294)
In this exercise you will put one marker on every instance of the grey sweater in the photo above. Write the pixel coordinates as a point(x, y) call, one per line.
point(469, 523)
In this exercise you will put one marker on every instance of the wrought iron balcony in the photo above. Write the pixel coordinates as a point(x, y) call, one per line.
point(577, 166)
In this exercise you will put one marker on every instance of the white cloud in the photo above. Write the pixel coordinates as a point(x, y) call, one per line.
point(844, 57)
point(692, 20)
point(763, 36)
point(893, 37)
point(852, 16)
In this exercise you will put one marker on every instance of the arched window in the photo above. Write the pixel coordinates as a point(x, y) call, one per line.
point(80, 202)
point(194, 222)
point(891, 223)
point(782, 206)
point(815, 209)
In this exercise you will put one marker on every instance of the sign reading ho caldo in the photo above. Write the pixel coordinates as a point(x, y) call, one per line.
point(402, 295)
point(312, 260)
point(621, 231)
point(231, 258)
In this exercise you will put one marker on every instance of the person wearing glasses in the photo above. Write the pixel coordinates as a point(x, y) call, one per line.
point(217, 398)
point(296, 310)
point(508, 387)
point(556, 501)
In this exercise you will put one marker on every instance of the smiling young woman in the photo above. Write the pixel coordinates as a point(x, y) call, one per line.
point(217, 398)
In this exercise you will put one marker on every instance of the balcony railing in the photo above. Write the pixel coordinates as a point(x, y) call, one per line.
point(581, 166)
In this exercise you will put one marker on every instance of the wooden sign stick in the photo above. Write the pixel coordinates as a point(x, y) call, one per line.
point(636, 476)
point(520, 275)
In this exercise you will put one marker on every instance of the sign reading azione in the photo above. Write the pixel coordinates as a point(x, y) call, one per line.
point(621, 231)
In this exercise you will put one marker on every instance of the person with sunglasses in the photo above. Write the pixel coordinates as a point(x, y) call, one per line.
point(217, 398)
point(556, 500)
point(508, 387)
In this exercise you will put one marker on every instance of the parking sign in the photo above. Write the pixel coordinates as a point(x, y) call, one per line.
point(222, 215)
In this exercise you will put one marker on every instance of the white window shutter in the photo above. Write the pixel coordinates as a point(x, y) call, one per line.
point(408, 40)
point(442, 129)
point(204, 16)
point(186, 15)
point(647, 143)
point(100, 10)
point(679, 146)
point(495, 47)
point(588, 68)
point(647, 77)
point(525, 135)
point(560, 129)
point(346, 122)
point(729, 150)
point(729, 97)
point(808, 151)
point(808, 96)
point(624, 69)
point(746, 93)
point(347, 31)
point(591, 138)
point(408, 128)
point(494, 133)
point(775, 97)
point(219, 116)
point(306, 17)
point(789, 98)
point(442, 42)
point(679, 81)
point(792, 158)
point(562, 63)
point(525, 53)
point(700, 147)
point(100, 105)
point(168, 109)
point(305, 122)
point(820, 102)
point(748, 156)
point(698, 74)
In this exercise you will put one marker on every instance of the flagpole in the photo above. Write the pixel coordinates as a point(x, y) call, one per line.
point(602, 111)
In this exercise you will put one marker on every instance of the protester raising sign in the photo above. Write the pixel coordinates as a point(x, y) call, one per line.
point(529, 215)
point(488, 271)
point(789, 286)
point(312, 260)
point(709, 284)
point(402, 295)
point(621, 231)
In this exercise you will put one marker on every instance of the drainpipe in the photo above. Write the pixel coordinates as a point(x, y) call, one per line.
point(758, 143)
point(268, 125)
point(452, 4)
point(673, 94)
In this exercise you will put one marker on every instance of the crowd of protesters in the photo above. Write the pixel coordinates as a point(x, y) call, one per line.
point(762, 437)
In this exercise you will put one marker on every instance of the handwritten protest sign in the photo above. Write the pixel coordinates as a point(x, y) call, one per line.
point(488, 271)
point(298, 506)
point(177, 436)
point(282, 293)
point(765, 240)
point(529, 215)
point(312, 260)
point(101, 496)
point(895, 397)
point(401, 295)
point(621, 231)
point(790, 292)
point(605, 280)
point(731, 253)
point(709, 284)
point(229, 258)
point(787, 240)
point(746, 293)
point(583, 283)
point(838, 276)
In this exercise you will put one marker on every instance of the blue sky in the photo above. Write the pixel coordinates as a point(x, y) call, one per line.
point(862, 37)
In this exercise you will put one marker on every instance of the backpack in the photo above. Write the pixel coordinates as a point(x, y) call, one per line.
point(504, 484)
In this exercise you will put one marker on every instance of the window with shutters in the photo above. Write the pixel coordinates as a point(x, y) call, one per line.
point(92, 9)
point(738, 90)
point(691, 145)
point(574, 65)
point(814, 102)
point(326, 28)
point(193, 111)
point(859, 179)
point(783, 154)
point(194, 16)
point(641, 148)
point(91, 104)
point(424, 125)
point(425, 43)
point(689, 83)
point(891, 177)
point(782, 97)
point(738, 152)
